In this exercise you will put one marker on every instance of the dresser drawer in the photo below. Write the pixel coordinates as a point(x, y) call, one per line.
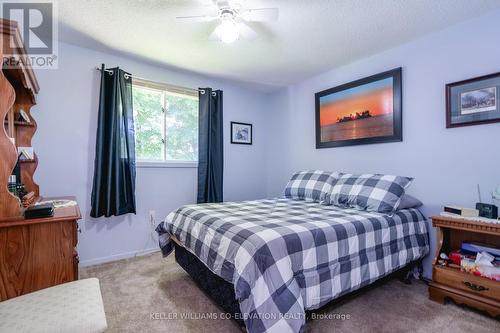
point(467, 282)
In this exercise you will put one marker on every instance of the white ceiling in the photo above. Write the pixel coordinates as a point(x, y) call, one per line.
point(309, 37)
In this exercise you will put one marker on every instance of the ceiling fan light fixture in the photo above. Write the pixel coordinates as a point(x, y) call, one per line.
point(228, 31)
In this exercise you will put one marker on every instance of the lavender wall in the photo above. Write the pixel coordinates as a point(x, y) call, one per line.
point(67, 118)
point(446, 163)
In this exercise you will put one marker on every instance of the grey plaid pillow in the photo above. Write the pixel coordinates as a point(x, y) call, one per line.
point(376, 193)
point(310, 185)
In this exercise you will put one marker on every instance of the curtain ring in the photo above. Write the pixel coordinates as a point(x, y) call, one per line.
point(202, 91)
point(214, 93)
point(126, 76)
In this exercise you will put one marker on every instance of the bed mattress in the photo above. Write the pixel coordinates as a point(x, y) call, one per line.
point(284, 256)
point(222, 292)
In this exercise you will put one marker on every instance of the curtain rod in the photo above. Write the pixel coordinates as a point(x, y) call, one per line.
point(202, 91)
point(110, 72)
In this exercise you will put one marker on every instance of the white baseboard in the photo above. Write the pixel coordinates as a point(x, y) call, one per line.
point(131, 254)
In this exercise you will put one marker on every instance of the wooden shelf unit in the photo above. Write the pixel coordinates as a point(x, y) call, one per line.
point(20, 123)
point(34, 253)
point(18, 90)
point(452, 283)
point(27, 161)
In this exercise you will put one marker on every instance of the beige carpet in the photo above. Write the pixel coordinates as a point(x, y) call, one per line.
point(146, 294)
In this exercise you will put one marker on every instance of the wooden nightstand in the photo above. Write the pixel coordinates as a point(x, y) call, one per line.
point(462, 287)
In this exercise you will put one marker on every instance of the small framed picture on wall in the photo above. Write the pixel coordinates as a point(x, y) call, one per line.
point(241, 133)
point(473, 101)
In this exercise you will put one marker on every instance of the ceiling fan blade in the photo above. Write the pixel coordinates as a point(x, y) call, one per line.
point(207, 2)
point(213, 37)
point(260, 14)
point(197, 18)
point(246, 32)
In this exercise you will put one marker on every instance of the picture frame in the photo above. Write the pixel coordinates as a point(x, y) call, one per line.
point(473, 101)
point(364, 111)
point(241, 133)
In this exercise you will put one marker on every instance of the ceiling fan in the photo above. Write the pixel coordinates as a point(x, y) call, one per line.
point(232, 15)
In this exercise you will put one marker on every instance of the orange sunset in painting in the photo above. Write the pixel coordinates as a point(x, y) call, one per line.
point(361, 112)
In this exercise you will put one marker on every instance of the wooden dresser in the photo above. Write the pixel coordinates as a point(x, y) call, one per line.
point(38, 253)
point(462, 287)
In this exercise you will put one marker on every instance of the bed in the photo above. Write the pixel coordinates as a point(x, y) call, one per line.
point(285, 256)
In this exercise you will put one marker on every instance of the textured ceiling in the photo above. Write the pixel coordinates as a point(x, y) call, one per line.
point(310, 36)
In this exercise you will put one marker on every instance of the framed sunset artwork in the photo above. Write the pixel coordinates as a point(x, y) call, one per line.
point(360, 112)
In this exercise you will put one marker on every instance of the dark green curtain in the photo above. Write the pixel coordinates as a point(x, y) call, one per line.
point(113, 190)
point(211, 146)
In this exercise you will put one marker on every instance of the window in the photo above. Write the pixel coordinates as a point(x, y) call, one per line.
point(166, 122)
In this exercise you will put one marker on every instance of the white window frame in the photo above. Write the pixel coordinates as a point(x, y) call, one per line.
point(173, 90)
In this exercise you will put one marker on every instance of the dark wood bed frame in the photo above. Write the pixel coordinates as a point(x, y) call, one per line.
point(222, 292)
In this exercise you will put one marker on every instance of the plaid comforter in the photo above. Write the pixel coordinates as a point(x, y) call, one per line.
point(284, 255)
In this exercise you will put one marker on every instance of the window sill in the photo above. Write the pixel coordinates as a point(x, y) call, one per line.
point(166, 164)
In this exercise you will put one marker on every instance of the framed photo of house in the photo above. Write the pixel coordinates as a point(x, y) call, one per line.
point(473, 101)
point(241, 133)
point(361, 112)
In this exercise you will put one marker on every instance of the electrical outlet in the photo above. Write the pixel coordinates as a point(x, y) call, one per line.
point(152, 225)
point(152, 217)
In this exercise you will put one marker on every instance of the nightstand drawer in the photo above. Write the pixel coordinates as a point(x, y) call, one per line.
point(467, 282)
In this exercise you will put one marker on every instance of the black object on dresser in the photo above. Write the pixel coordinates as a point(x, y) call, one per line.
point(39, 211)
point(487, 210)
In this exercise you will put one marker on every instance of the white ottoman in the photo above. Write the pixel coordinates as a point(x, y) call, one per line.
point(74, 307)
